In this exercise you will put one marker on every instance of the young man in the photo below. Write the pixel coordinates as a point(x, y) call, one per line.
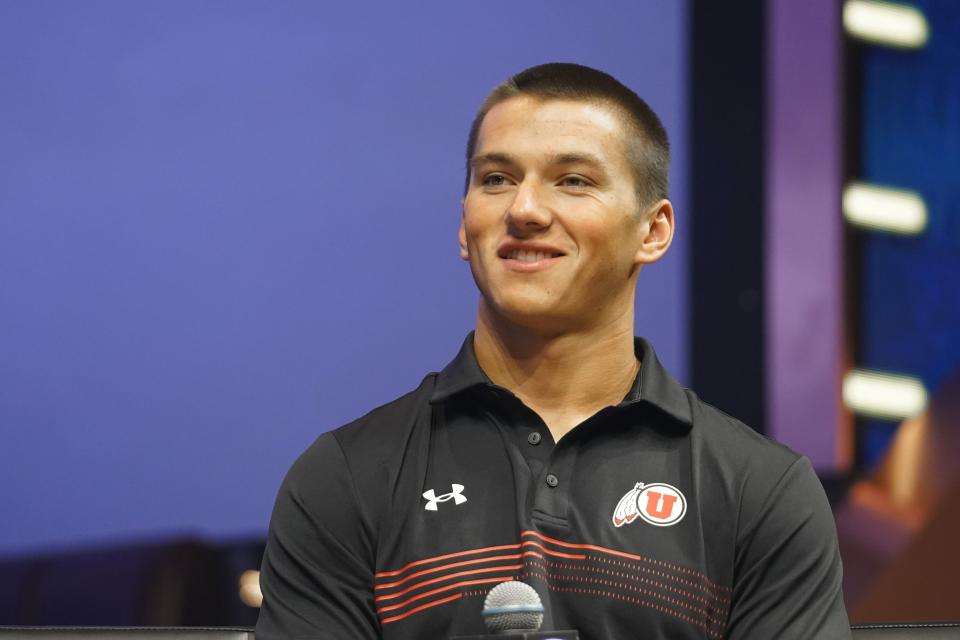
point(554, 449)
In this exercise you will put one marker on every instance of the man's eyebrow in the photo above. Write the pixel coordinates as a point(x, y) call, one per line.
point(578, 158)
point(491, 158)
point(559, 158)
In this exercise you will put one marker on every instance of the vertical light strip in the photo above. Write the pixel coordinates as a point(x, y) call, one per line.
point(884, 209)
point(884, 395)
point(886, 23)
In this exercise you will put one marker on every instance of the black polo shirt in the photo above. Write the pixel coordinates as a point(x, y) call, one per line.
point(660, 517)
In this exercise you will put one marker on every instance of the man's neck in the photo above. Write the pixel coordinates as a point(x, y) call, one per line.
point(565, 377)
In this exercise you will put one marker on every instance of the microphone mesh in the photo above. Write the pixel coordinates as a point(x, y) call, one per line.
point(528, 615)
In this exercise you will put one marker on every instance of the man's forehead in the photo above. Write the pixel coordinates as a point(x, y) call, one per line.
point(553, 112)
point(559, 130)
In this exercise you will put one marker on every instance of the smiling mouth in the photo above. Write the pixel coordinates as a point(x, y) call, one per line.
point(530, 256)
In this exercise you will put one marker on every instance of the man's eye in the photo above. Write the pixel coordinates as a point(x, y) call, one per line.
point(575, 181)
point(495, 180)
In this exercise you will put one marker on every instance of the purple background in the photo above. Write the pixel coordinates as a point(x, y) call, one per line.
point(226, 227)
point(804, 246)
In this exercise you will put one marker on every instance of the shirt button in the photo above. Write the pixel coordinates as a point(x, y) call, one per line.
point(552, 480)
point(534, 438)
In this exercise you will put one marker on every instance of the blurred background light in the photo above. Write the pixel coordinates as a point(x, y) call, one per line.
point(884, 209)
point(883, 395)
point(250, 588)
point(886, 23)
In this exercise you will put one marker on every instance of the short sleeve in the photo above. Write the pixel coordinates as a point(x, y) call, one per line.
point(317, 571)
point(788, 575)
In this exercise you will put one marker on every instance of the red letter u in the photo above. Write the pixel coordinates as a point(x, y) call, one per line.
point(659, 505)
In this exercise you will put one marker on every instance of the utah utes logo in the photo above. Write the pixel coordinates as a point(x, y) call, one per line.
point(658, 503)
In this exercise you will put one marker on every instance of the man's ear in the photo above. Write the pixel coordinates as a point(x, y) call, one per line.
point(462, 237)
point(657, 229)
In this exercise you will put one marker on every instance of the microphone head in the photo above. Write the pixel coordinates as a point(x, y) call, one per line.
point(512, 606)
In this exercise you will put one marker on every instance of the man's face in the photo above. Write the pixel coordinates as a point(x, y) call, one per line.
point(551, 222)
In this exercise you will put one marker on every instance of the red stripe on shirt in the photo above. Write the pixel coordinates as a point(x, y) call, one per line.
point(455, 596)
point(447, 577)
point(416, 563)
point(622, 554)
point(456, 585)
point(444, 567)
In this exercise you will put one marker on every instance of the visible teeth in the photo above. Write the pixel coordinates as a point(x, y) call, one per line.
point(529, 256)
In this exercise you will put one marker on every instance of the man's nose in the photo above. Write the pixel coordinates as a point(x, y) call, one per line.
point(529, 207)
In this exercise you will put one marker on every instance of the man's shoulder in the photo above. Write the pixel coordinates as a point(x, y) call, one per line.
point(763, 482)
point(386, 426)
point(376, 434)
point(736, 447)
point(366, 452)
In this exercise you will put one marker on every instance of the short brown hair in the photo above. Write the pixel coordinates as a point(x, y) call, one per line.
point(648, 149)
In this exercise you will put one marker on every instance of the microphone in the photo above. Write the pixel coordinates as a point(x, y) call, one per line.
point(513, 610)
point(511, 607)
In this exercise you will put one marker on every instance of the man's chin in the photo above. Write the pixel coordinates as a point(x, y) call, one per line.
point(537, 315)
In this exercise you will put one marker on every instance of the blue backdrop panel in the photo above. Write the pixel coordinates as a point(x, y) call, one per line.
point(911, 298)
point(226, 227)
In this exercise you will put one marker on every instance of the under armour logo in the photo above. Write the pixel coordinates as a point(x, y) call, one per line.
point(433, 499)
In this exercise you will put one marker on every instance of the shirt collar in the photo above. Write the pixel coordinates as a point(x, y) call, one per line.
point(653, 384)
